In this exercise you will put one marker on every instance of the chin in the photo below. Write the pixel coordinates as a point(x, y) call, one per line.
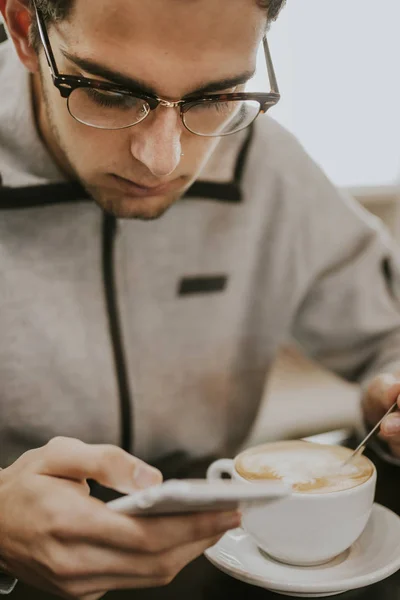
point(128, 207)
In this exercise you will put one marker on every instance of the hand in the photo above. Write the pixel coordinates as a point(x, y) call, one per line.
point(54, 536)
point(379, 397)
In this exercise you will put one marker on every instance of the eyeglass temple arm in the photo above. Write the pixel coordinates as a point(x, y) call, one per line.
point(270, 67)
point(53, 66)
point(46, 42)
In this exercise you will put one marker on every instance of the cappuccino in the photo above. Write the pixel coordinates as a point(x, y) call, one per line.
point(309, 468)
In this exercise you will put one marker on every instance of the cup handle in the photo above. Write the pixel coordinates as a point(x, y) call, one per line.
point(224, 466)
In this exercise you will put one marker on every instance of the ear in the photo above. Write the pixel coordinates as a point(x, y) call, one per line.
point(18, 19)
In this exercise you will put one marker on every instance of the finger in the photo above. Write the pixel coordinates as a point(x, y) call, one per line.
point(380, 396)
point(172, 532)
point(108, 465)
point(391, 427)
point(102, 527)
point(103, 585)
point(140, 571)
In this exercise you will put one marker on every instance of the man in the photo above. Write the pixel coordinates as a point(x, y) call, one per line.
point(158, 336)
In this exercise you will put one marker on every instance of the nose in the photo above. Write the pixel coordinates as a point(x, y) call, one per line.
point(156, 142)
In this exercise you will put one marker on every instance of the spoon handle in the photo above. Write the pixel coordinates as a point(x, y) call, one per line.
point(360, 448)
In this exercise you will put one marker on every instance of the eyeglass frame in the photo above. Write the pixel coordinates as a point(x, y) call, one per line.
point(66, 84)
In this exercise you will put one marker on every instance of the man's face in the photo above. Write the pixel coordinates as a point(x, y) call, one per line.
point(174, 47)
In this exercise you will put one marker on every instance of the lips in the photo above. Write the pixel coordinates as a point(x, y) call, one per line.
point(141, 191)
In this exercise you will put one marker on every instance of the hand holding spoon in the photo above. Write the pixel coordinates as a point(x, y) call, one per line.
point(361, 447)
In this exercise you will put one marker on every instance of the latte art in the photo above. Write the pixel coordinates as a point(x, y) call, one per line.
point(309, 468)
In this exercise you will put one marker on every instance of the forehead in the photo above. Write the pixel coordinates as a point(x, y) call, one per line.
point(167, 43)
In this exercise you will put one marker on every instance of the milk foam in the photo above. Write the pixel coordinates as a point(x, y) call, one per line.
point(302, 467)
point(311, 468)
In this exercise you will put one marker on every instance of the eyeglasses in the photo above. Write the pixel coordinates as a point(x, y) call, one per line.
point(112, 106)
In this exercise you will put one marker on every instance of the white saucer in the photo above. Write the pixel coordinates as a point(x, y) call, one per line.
point(373, 557)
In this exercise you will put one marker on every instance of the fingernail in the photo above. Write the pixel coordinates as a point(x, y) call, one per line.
point(392, 425)
point(145, 476)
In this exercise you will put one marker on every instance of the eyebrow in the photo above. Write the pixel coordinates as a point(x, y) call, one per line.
point(140, 86)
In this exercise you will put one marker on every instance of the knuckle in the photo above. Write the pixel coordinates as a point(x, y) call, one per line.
point(382, 385)
point(62, 443)
point(57, 441)
point(107, 459)
point(59, 569)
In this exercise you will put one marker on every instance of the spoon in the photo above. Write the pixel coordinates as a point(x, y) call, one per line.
point(361, 447)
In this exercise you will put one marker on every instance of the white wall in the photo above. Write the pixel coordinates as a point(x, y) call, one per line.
point(338, 66)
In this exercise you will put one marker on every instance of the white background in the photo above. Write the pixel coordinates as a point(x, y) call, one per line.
point(338, 68)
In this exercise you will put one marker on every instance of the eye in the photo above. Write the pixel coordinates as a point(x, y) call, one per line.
point(110, 99)
point(221, 108)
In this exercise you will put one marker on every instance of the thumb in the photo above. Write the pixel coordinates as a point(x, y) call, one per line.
point(109, 465)
point(381, 393)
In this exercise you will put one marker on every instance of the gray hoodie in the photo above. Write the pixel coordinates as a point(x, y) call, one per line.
point(159, 336)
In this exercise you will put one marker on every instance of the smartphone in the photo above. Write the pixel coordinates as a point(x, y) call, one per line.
point(198, 495)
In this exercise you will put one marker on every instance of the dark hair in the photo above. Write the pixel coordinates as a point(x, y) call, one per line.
point(58, 10)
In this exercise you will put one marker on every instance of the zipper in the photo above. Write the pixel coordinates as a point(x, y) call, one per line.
point(114, 324)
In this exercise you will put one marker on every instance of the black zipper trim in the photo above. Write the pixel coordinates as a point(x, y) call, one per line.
point(214, 191)
point(243, 156)
point(42, 195)
point(111, 297)
point(61, 193)
point(71, 193)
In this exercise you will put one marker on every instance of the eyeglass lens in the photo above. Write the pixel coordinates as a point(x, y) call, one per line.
point(112, 110)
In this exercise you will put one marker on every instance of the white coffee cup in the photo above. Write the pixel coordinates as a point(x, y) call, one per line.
point(305, 529)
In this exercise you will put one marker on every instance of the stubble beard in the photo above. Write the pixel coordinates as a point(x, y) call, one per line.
point(142, 209)
point(115, 205)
